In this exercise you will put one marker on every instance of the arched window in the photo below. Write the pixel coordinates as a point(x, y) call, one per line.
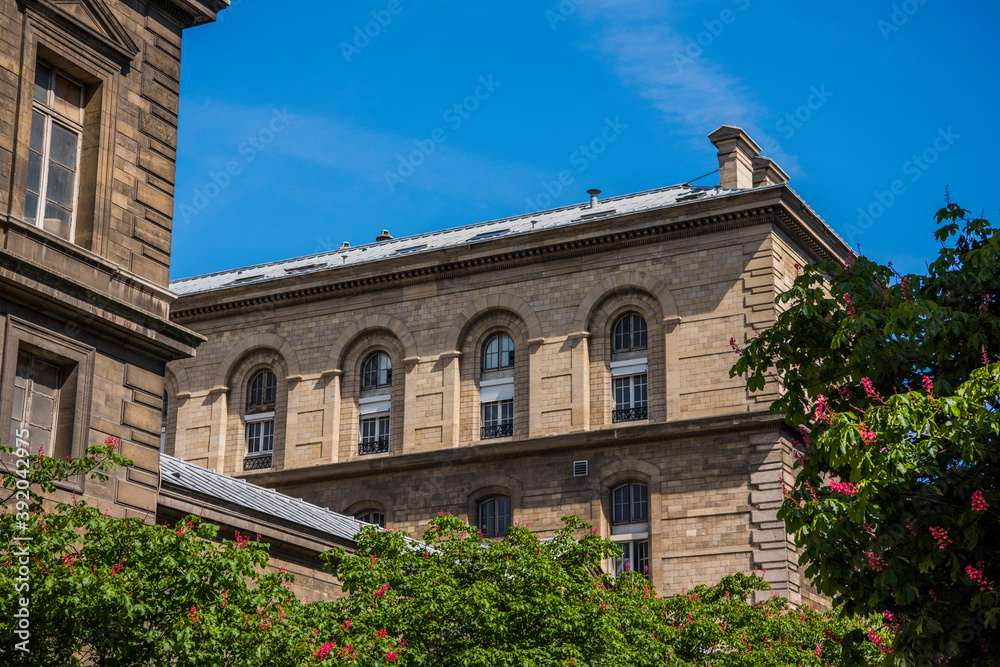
point(630, 521)
point(494, 516)
point(371, 516)
point(262, 395)
point(376, 371)
point(498, 352)
point(629, 333)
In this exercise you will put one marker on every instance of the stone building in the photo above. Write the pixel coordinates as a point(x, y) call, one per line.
point(88, 135)
point(571, 361)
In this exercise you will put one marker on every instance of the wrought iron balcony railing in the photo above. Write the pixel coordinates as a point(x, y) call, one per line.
point(629, 415)
point(496, 431)
point(257, 461)
point(374, 446)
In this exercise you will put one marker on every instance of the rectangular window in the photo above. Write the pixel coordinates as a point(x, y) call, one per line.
point(50, 200)
point(260, 437)
point(630, 394)
point(36, 401)
point(374, 435)
point(498, 419)
point(635, 557)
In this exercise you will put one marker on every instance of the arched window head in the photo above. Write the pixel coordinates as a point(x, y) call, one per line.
point(371, 516)
point(629, 503)
point(262, 393)
point(498, 352)
point(494, 516)
point(629, 333)
point(376, 371)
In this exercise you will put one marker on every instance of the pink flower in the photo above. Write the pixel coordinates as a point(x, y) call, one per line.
point(869, 389)
point(928, 386)
point(381, 633)
point(831, 636)
point(821, 409)
point(849, 302)
point(941, 535)
point(867, 434)
point(978, 502)
point(818, 650)
point(324, 650)
point(389, 656)
point(844, 487)
point(976, 574)
point(380, 591)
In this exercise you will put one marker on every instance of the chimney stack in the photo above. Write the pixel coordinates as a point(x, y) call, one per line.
point(384, 236)
point(593, 197)
point(345, 244)
point(737, 152)
point(767, 172)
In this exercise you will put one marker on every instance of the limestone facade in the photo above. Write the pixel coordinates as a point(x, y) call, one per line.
point(699, 266)
point(88, 126)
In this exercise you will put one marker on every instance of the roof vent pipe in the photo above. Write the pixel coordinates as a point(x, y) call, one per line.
point(384, 236)
point(593, 197)
point(345, 244)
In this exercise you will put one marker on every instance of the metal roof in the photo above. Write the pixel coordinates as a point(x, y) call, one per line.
point(673, 195)
point(180, 473)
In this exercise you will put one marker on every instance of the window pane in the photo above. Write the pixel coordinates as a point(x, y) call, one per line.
point(37, 132)
point(489, 414)
point(642, 558)
point(503, 515)
point(385, 369)
point(639, 503)
point(31, 208)
point(383, 427)
point(622, 334)
point(57, 220)
point(60, 188)
point(506, 351)
point(68, 99)
point(622, 398)
point(63, 146)
point(639, 391)
point(267, 436)
point(34, 176)
point(17, 415)
point(42, 79)
point(624, 562)
point(620, 504)
point(368, 430)
point(507, 412)
point(491, 354)
point(487, 518)
point(369, 375)
point(638, 332)
point(253, 438)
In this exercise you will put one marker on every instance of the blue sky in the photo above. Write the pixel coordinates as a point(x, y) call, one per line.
point(300, 131)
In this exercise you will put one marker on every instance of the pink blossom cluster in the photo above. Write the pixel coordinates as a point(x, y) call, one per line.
point(867, 435)
point(874, 560)
point(978, 502)
point(844, 487)
point(928, 385)
point(870, 390)
point(941, 535)
point(831, 636)
point(822, 409)
point(380, 591)
point(880, 644)
point(850, 303)
point(976, 574)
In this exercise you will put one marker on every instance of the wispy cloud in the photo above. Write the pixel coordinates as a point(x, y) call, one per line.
point(659, 63)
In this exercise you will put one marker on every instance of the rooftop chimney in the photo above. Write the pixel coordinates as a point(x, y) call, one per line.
point(593, 197)
point(345, 244)
point(767, 172)
point(736, 155)
point(384, 236)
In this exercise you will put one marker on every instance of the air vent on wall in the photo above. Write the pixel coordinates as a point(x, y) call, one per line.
point(580, 469)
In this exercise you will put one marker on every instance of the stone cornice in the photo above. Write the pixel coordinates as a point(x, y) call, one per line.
point(773, 205)
point(574, 442)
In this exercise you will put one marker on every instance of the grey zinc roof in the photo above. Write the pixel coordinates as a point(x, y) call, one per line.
point(456, 236)
point(180, 473)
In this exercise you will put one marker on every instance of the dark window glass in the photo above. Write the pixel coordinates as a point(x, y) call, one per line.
point(376, 371)
point(372, 516)
point(629, 503)
point(498, 352)
point(263, 392)
point(494, 517)
point(629, 333)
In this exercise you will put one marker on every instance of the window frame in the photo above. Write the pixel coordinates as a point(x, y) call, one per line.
point(634, 409)
point(497, 502)
point(378, 441)
point(47, 111)
point(629, 319)
point(630, 503)
point(632, 561)
point(502, 339)
point(373, 514)
point(259, 425)
point(501, 426)
point(380, 371)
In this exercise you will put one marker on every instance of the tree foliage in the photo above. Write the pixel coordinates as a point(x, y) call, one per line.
point(893, 384)
point(108, 591)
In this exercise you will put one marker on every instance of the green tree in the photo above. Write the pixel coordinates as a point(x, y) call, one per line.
point(890, 380)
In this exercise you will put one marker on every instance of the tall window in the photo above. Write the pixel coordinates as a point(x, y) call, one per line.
point(498, 419)
point(630, 527)
point(494, 516)
point(376, 371)
point(374, 434)
point(498, 352)
point(37, 387)
point(50, 200)
point(629, 333)
point(371, 516)
point(630, 398)
point(262, 394)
